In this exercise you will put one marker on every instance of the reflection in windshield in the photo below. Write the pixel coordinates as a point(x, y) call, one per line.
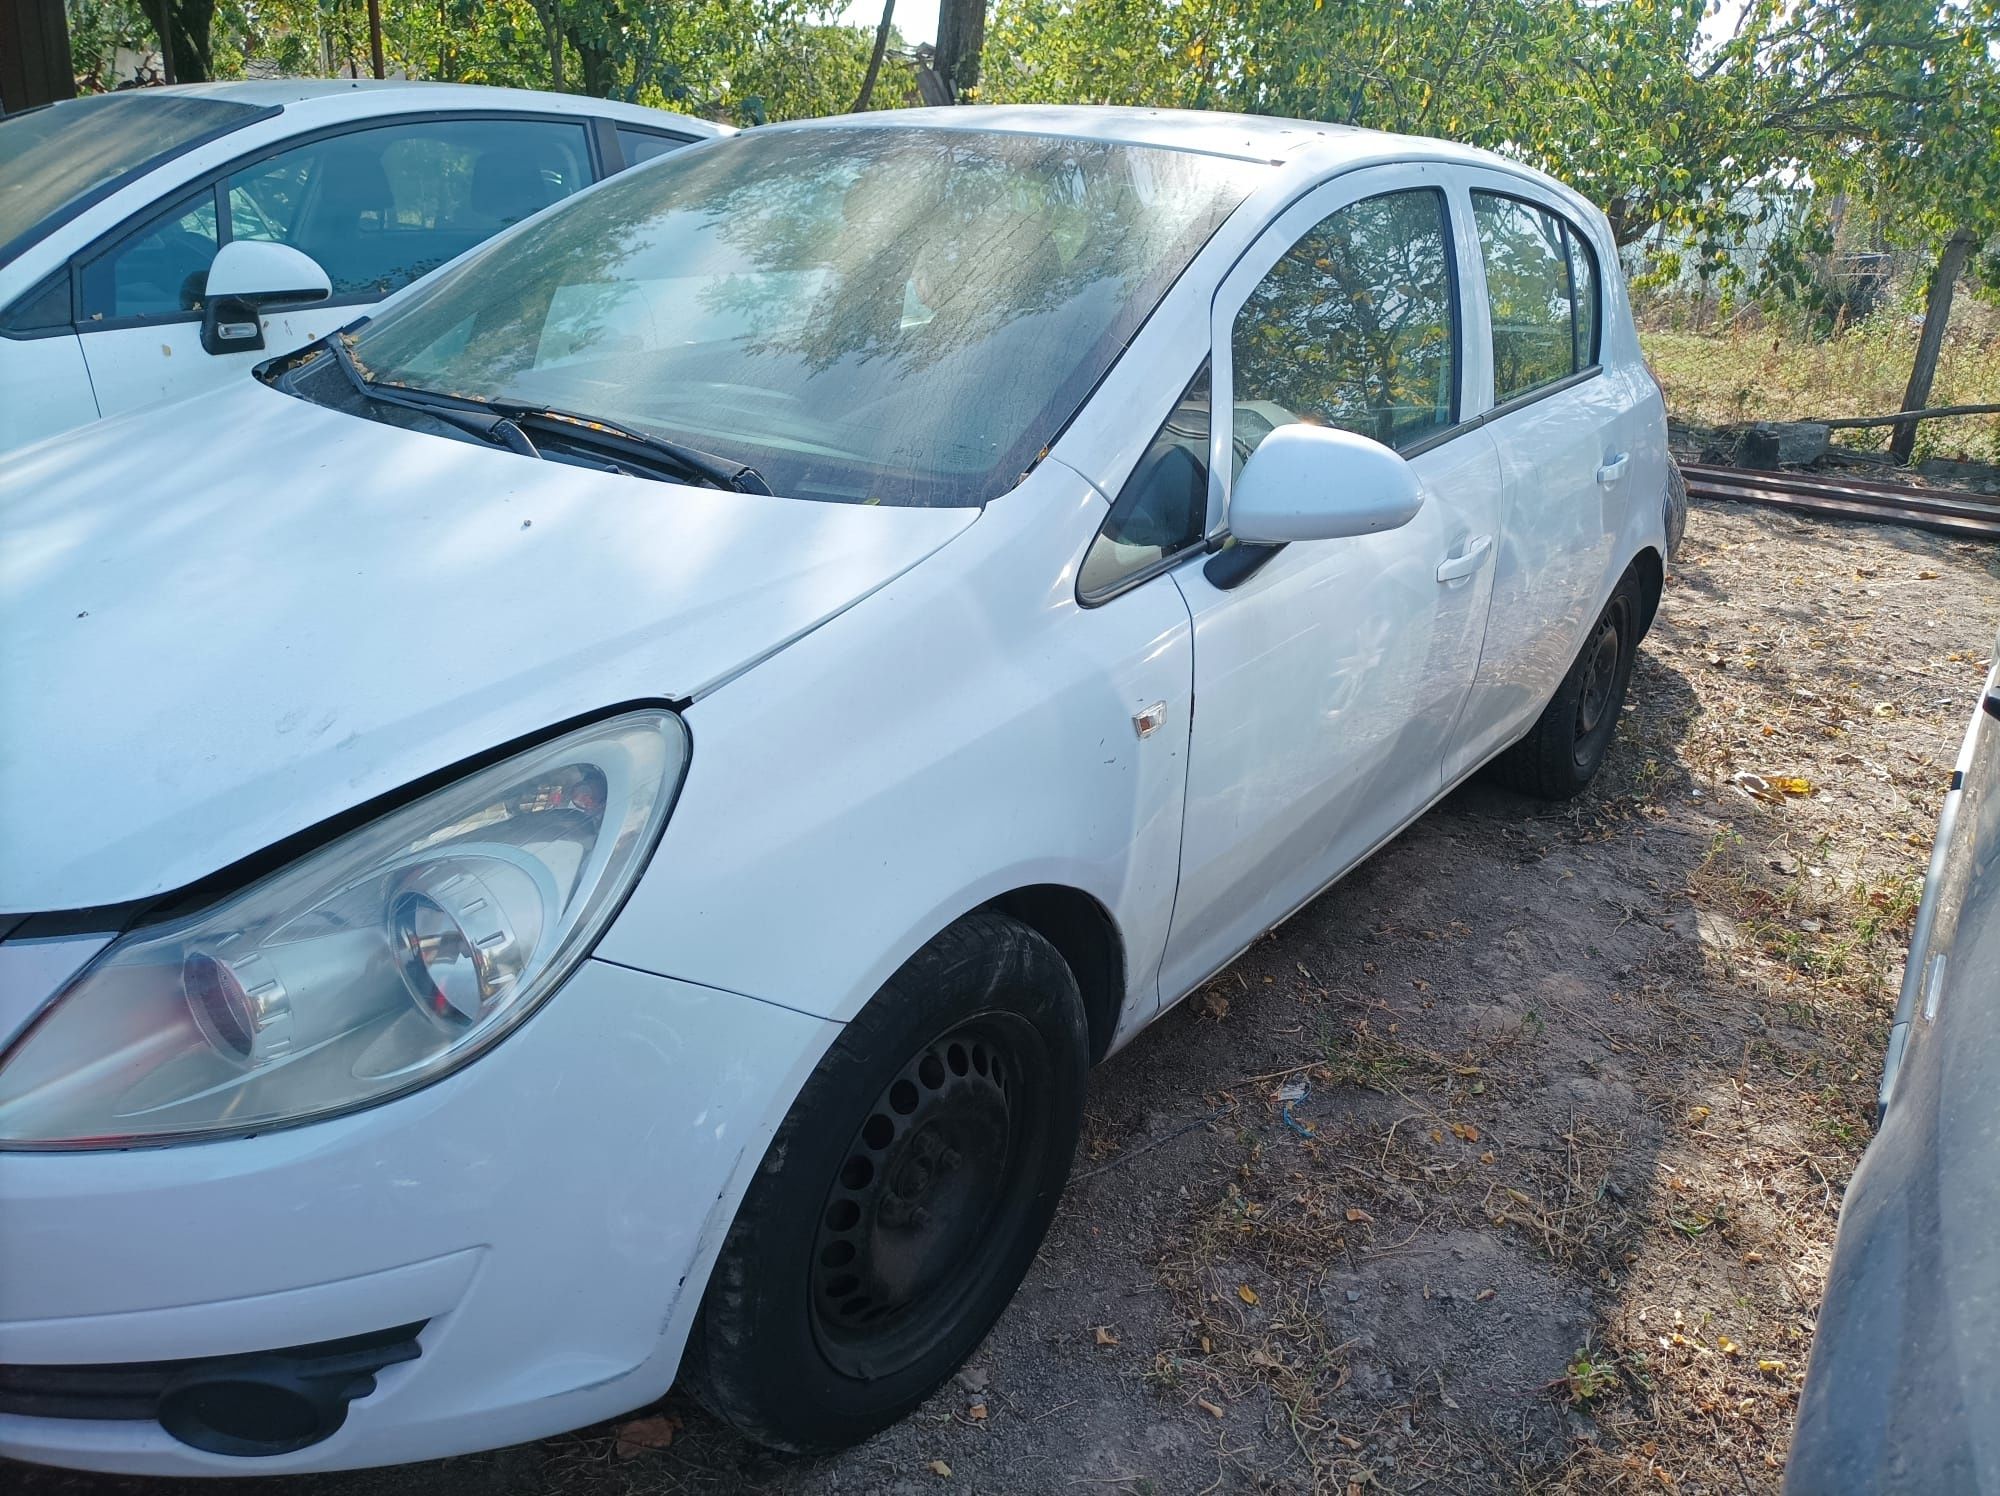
point(892, 316)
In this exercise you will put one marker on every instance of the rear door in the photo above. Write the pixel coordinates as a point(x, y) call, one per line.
point(376, 206)
point(1556, 419)
point(1328, 674)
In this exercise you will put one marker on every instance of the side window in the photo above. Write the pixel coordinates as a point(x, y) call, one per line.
point(1163, 508)
point(379, 207)
point(1583, 276)
point(641, 146)
point(160, 269)
point(1355, 327)
point(1541, 285)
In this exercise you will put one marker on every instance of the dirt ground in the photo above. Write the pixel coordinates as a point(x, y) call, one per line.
point(1584, 1084)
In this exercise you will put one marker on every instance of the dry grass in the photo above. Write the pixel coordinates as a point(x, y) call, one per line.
point(1751, 373)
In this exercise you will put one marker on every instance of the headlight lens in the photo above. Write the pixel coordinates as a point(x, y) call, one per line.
point(365, 969)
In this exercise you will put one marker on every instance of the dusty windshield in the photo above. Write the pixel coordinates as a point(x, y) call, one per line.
point(52, 160)
point(894, 316)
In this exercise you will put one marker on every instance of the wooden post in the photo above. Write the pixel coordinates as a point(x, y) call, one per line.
point(375, 37)
point(34, 55)
point(1937, 312)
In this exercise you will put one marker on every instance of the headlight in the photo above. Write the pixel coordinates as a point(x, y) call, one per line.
point(365, 969)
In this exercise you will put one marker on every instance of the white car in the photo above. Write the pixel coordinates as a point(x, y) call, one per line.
point(130, 222)
point(590, 828)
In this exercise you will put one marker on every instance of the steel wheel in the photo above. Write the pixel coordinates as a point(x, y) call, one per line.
point(908, 1220)
point(1600, 662)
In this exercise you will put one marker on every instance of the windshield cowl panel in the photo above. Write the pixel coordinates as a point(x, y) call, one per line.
point(864, 315)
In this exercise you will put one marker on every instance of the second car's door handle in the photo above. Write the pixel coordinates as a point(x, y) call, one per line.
point(1466, 563)
point(1613, 470)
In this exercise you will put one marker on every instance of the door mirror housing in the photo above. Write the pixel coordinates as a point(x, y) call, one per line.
point(247, 278)
point(1318, 483)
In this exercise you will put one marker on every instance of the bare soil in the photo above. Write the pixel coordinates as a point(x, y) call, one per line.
point(1584, 1085)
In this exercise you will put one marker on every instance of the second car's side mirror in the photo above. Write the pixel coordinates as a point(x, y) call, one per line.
point(247, 278)
point(1317, 483)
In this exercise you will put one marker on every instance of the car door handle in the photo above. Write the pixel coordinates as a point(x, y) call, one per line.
point(1613, 470)
point(1467, 562)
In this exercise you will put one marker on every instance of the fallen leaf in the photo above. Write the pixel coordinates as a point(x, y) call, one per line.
point(1927, 576)
point(1753, 1257)
point(1246, 1293)
point(1105, 1337)
point(1771, 1368)
point(1483, 1295)
point(638, 1436)
point(1349, 1440)
point(1792, 784)
point(977, 1412)
point(1697, 1115)
point(1727, 1346)
point(940, 1468)
point(1486, 1158)
point(1466, 1131)
point(1208, 1407)
point(1354, 1213)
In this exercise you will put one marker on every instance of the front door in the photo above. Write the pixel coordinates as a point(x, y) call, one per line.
point(1327, 682)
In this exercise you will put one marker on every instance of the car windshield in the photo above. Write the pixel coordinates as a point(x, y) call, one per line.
point(869, 315)
point(55, 161)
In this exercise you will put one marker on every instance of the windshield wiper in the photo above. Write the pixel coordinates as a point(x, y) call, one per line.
point(492, 427)
point(506, 423)
point(616, 442)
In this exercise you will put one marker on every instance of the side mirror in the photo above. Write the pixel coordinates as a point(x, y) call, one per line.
point(247, 278)
point(1317, 483)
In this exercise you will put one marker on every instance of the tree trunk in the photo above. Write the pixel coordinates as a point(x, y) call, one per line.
point(185, 49)
point(551, 18)
point(375, 38)
point(961, 36)
point(1937, 312)
point(875, 57)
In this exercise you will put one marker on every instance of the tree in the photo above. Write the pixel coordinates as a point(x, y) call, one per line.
point(183, 27)
point(875, 57)
point(1923, 144)
point(961, 39)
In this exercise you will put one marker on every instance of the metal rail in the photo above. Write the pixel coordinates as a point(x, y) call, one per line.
point(1966, 516)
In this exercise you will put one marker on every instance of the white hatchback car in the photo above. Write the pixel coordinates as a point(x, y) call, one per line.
point(129, 222)
point(591, 827)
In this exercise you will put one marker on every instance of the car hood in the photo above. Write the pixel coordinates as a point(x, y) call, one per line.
point(225, 620)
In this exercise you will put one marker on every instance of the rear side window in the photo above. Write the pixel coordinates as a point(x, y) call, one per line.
point(641, 146)
point(1541, 288)
point(1356, 327)
point(1162, 509)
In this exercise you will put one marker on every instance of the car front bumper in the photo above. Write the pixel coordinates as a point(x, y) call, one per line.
point(548, 1214)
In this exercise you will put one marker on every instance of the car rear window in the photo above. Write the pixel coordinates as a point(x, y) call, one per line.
point(57, 161)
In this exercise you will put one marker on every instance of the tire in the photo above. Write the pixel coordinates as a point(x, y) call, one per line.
point(904, 1196)
point(1562, 752)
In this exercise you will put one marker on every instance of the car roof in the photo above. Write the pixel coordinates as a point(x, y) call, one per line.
point(1307, 145)
point(372, 95)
